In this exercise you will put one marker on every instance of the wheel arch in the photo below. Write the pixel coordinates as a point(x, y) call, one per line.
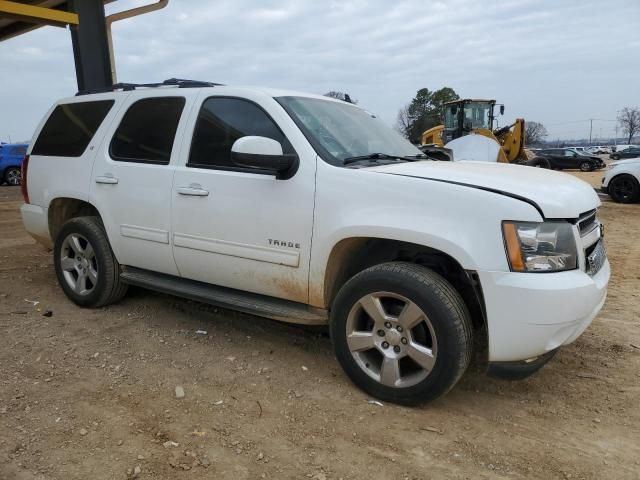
point(352, 255)
point(63, 209)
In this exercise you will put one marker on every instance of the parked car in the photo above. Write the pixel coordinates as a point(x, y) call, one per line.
point(578, 149)
point(621, 148)
point(11, 156)
point(631, 152)
point(567, 158)
point(307, 209)
point(622, 181)
point(598, 150)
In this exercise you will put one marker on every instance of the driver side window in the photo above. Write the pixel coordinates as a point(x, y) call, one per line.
point(569, 153)
point(220, 123)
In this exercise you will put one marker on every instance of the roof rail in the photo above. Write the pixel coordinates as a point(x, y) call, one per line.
point(171, 82)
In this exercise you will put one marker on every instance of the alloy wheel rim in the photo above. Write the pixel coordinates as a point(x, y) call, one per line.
point(13, 177)
point(623, 188)
point(391, 339)
point(79, 264)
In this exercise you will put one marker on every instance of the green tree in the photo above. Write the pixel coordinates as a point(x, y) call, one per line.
point(424, 111)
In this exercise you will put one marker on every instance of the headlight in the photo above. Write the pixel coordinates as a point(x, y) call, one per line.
point(540, 247)
point(612, 165)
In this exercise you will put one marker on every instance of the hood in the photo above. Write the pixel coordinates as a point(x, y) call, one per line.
point(558, 195)
point(628, 161)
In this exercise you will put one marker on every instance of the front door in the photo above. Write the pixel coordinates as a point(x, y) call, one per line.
point(132, 179)
point(570, 159)
point(236, 227)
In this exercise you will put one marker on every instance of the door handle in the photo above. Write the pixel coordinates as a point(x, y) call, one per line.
point(194, 190)
point(107, 179)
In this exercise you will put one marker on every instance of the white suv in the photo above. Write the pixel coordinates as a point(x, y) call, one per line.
point(311, 210)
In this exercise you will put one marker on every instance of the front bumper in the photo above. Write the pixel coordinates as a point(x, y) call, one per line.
point(531, 314)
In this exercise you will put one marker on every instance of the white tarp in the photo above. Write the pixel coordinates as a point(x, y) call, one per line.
point(475, 148)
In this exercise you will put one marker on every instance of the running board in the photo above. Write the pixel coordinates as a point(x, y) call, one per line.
point(253, 303)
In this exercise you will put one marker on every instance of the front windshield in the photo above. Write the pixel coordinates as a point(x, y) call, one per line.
point(341, 130)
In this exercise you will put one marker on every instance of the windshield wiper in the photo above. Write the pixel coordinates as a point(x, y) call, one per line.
point(380, 156)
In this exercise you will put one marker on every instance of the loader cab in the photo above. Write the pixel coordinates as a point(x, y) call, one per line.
point(461, 117)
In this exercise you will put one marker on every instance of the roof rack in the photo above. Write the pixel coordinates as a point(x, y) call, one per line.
point(171, 82)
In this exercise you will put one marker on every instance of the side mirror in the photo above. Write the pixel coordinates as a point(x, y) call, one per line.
point(265, 154)
point(501, 109)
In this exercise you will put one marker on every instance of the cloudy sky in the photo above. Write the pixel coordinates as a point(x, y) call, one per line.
point(559, 62)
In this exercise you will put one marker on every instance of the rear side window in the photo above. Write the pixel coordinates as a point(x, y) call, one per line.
point(220, 123)
point(70, 128)
point(147, 131)
point(19, 151)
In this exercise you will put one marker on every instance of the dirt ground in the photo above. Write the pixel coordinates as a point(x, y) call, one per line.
point(90, 394)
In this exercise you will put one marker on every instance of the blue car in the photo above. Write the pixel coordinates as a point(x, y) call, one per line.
point(11, 156)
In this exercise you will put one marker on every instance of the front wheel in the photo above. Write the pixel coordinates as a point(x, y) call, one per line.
point(401, 333)
point(12, 176)
point(624, 189)
point(615, 157)
point(87, 270)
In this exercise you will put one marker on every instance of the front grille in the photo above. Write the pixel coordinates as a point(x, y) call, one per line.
point(587, 222)
point(595, 257)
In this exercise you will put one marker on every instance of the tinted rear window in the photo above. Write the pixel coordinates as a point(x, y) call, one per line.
point(19, 151)
point(147, 131)
point(70, 128)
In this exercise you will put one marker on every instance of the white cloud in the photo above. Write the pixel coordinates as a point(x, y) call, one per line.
point(550, 61)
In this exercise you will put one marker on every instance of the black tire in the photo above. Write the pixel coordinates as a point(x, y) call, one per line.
point(539, 162)
point(586, 167)
point(108, 288)
point(614, 157)
point(12, 176)
point(624, 188)
point(442, 305)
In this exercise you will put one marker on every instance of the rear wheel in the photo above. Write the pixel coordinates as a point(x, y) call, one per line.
point(539, 162)
point(615, 157)
point(401, 332)
point(586, 166)
point(624, 189)
point(87, 270)
point(12, 176)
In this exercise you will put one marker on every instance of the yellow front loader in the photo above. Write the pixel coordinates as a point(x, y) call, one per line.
point(473, 116)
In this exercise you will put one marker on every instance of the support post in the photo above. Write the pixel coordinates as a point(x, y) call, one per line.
point(90, 45)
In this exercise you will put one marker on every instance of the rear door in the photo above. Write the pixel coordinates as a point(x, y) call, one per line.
point(552, 156)
point(17, 154)
point(65, 145)
point(133, 174)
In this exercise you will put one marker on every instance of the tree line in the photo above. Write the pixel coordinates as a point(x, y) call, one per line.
point(426, 110)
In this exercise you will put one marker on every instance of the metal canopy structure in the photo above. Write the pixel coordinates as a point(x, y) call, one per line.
point(90, 32)
point(19, 17)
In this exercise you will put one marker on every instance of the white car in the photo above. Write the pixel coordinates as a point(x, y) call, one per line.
point(622, 180)
point(307, 209)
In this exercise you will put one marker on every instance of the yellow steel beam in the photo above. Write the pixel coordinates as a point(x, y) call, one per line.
point(38, 15)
